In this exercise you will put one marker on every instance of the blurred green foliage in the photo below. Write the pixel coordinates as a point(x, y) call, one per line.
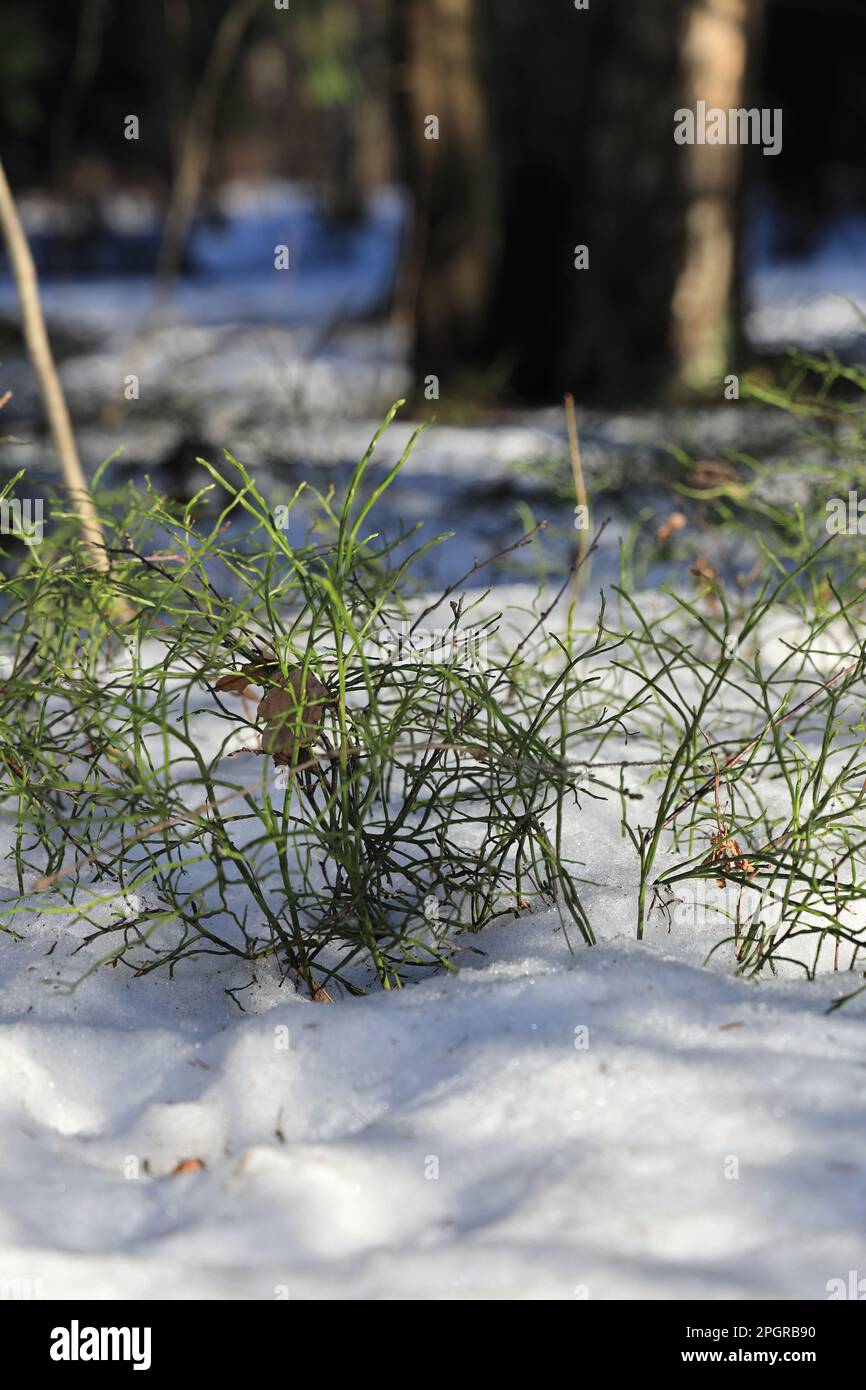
point(326, 37)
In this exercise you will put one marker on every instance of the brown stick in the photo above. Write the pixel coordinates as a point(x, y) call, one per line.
point(39, 349)
point(577, 474)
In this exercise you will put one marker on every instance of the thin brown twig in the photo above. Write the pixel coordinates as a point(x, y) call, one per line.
point(476, 568)
point(579, 562)
point(39, 350)
point(753, 743)
point(577, 475)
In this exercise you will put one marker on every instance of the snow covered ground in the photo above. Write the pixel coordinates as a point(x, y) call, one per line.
point(616, 1123)
point(619, 1122)
point(812, 300)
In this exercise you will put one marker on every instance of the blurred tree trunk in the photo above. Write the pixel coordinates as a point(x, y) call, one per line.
point(88, 52)
point(543, 321)
point(359, 130)
point(585, 106)
point(443, 141)
point(559, 135)
point(195, 148)
point(720, 37)
point(375, 152)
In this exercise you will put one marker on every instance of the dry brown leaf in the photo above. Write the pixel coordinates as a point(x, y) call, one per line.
point(236, 682)
point(289, 711)
point(187, 1165)
point(705, 569)
point(320, 994)
point(675, 522)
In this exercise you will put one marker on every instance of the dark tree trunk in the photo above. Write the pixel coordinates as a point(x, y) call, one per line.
point(584, 106)
point(557, 132)
point(447, 269)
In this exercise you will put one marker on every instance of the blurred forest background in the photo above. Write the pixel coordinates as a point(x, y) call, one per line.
point(555, 129)
point(430, 167)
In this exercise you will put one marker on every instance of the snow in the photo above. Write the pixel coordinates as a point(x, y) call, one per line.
point(453, 1140)
point(339, 273)
point(334, 273)
point(815, 301)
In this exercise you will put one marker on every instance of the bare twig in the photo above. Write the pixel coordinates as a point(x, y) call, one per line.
point(579, 483)
point(39, 348)
point(479, 565)
point(753, 743)
point(570, 579)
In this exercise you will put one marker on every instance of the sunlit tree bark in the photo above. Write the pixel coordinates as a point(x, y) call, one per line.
point(717, 40)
